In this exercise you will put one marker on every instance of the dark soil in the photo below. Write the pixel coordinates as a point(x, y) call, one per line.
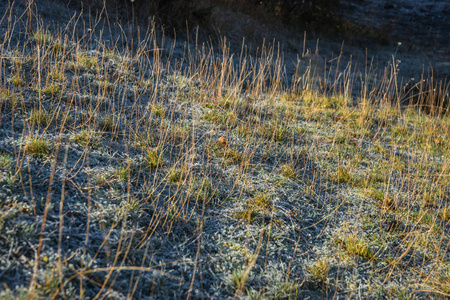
point(423, 26)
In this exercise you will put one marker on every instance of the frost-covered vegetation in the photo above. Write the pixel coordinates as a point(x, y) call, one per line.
point(134, 166)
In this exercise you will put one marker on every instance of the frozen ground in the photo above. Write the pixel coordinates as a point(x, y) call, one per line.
point(145, 204)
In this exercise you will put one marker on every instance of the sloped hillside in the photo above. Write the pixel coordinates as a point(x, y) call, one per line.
point(137, 166)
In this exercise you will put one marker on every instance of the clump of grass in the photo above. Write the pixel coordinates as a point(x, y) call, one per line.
point(232, 155)
point(103, 84)
point(261, 202)
point(85, 61)
point(375, 193)
point(355, 245)
point(39, 117)
point(181, 132)
point(5, 161)
point(174, 176)
point(203, 189)
point(17, 80)
point(343, 175)
point(386, 115)
point(248, 214)
point(10, 179)
point(106, 122)
point(37, 146)
point(431, 195)
point(180, 81)
point(45, 39)
point(120, 174)
point(423, 217)
point(378, 174)
point(221, 117)
point(341, 137)
point(86, 138)
point(443, 280)
point(378, 148)
point(287, 170)
point(123, 173)
point(100, 178)
point(5, 94)
point(57, 75)
point(319, 270)
point(290, 96)
point(58, 46)
point(275, 130)
point(400, 131)
point(157, 109)
point(237, 279)
point(154, 158)
point(42, 38)
point(230, 101)
point(52, 90)
point(286, 290)
point(316, 100)
point(444, 214)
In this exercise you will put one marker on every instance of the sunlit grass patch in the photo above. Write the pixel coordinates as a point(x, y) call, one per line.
point(58, 46)
point(220, 117)
point(86, 138)
point(180, 81)
point(43, 38)
point(275, 130)
point(135, 205)
point(444, 214)
point(122, 173)
point(355, 245)
point(88, 62)
point(37, 146)
point(236, 279)
point(401, 132)
point(288, 170)
point(57, 74)
point(442, 281)
point(377, 174)
point(292, 96)
point(230, 101)
point(154, 158)
point(83, 61)
point(52, 90)
point(226, 152)
point(174, 175)
point(386, 115)
point(233, 155)
point(261, 202)
point(17, 80)
point(6, 96)
point(314, 99)
point(423, 217)
point(319, 270)
point(157, 109)
point(432, 195)
point(343, 175)
point(376, 193)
